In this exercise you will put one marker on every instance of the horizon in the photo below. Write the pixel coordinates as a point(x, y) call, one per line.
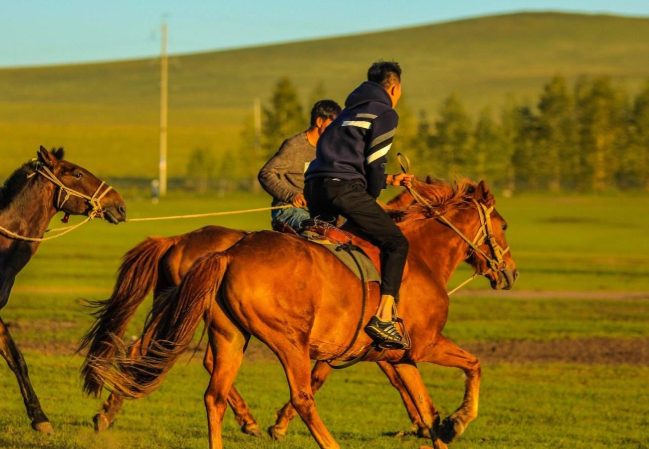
point(176, 50)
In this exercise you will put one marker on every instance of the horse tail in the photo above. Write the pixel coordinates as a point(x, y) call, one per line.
point(171, 326)
point(137, 276)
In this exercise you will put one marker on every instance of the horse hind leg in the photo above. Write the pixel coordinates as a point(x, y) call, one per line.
point(296, 364)
point(319, 374)
point(9, 350)
point(447, 353)
point(241, 411)
point(228, 343)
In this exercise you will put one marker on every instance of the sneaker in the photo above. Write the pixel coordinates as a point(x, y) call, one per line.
point(385, 334)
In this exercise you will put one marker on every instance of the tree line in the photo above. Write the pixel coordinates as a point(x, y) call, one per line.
point(588, 136)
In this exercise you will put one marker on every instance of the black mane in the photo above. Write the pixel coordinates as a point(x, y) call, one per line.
point(15, 184)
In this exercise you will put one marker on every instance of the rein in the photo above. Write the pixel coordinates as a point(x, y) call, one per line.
point(484, 233)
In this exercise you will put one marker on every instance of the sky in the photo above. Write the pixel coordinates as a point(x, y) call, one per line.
point(43, 32)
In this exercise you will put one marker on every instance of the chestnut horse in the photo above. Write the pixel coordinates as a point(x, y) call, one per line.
point(29, 199)
point(160, 263)
point(314, 317)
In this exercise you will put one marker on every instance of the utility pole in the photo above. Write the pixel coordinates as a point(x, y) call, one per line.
point(257, 125)
point(163, 112)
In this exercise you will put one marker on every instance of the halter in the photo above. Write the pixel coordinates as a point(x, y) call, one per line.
point(484, 233)
point(93, 201)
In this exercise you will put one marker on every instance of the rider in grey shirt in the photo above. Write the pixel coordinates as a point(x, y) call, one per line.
point(283, 175)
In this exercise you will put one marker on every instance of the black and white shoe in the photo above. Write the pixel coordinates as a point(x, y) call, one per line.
point(385, 334)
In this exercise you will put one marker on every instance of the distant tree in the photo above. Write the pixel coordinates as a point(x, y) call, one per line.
point(508, 139)
point(452, 141)
point(635, 160)
point(246, 163)
point(600, 117)
point(283, 118)
point(421, 146)
point(525, 159)
point(557, 133)
point(200, 169)
point(486, 146)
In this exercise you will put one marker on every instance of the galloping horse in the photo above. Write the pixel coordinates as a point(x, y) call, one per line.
point(29, 199)
point(159, 264)
point(314, 317)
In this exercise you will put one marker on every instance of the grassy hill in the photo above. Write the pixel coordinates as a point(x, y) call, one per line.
point(107, 114)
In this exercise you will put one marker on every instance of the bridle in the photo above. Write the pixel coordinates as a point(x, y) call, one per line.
point(485, 232)
point(65, 192)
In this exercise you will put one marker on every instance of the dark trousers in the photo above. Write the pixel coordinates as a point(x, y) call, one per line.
point(327, 198)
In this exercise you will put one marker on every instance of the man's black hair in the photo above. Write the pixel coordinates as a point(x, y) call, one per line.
point(385, 73)
point(325, 109)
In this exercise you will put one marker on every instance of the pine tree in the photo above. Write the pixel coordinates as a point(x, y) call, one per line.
point(557, 133)
point(636, 160)
point(525, 160)
point(508, 139)
point(284, 117)
point(600, 115)
point(485, 148)
point(452, 142)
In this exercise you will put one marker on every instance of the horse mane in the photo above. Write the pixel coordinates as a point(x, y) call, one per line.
point(19, 179)
point(15, 184)
point(441, 195)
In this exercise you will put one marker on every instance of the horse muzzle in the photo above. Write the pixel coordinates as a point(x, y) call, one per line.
point(505, 279)
point(115, 213)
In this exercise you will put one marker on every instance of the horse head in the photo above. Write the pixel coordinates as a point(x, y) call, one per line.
point(493, 259)
point(77, 191)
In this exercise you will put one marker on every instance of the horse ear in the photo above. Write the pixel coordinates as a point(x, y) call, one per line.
point(484, 195)
point(59, 154)
point(46, 157)
point(429, 180)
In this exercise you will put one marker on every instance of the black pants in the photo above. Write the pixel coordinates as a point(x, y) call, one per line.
point(327, 198)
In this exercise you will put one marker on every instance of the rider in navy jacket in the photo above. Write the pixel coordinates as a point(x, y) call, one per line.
point(347, 176)
point(355, 145)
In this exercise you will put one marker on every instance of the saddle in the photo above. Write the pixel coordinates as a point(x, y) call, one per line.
point(324, 233)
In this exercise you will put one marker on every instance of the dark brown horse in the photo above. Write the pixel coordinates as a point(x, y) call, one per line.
point(313, 316)
point(158, 264)
point(29, 199)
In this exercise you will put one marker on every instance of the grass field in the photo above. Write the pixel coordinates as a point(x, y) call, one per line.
point(104, 112)
point(582, 252)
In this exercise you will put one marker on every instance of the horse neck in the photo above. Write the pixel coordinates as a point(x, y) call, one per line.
point(439, 247)
point(31, 210)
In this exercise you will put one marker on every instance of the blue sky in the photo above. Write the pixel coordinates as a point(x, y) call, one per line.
point(36, 32)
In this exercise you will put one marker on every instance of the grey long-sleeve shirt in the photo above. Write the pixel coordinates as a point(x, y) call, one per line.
point(283, 175)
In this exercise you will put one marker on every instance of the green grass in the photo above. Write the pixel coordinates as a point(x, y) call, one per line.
point(561, 244)
point(105, 112)
point(521, 407)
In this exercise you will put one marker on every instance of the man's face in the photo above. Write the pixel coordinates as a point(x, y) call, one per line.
point(321, 124)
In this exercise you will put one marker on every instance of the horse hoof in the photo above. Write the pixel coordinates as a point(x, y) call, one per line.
point(101, 422)
point(252, 430)
point(276, 434)
point(43, 427)
point(450, 429)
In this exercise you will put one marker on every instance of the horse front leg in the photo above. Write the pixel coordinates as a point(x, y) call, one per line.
point(9, 350)
point(447, 353)
point(414, 385)
point(285, 415)
point(419, 428)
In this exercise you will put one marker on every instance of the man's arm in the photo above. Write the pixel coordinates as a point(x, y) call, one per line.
point(379, 144)
point(270, 174)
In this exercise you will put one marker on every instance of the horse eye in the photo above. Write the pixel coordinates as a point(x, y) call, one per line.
point(504, 227)
point(78, 175)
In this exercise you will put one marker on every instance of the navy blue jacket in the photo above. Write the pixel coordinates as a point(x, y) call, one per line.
point(355, 145)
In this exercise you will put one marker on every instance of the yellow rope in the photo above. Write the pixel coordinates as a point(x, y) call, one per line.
point(212, 214)
point(67, 229)
point(63, 231)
